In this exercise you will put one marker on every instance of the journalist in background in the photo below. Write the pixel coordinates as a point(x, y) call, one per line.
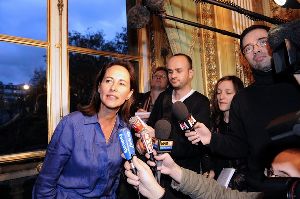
point(252, 109)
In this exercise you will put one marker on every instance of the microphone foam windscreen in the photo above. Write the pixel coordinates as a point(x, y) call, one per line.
point(276, 36)
point(294, 30)
point(155, 5)
point(138, 16)
point(162, 129)
point(180, 111)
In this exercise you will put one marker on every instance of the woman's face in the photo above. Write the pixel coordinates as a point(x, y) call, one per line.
point(115, 87)
point(225, 93)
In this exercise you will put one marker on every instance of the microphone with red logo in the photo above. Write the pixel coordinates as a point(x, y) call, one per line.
point(140, 127)
point(127, 146)
point(185, 119)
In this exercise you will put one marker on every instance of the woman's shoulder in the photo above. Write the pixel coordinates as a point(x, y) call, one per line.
point(78, 116)
point(74, 115)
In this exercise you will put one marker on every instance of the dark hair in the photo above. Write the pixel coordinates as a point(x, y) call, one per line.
point(161, 68)
point(216, 114)
point(94, 106)
point(188, 58)
point(249, 29)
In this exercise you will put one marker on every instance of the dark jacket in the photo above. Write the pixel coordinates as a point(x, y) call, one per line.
point(184, 152)
point(238, 180)
point(251, 111)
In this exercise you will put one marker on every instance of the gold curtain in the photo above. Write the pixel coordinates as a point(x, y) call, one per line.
point(185, 38)
point(215, 55)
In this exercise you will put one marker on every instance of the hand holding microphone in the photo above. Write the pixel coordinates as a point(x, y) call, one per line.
point(140, 127)
point(127, 146)
point(195, 132)
point(168, 166)
point(201, 134)
point(144, 180)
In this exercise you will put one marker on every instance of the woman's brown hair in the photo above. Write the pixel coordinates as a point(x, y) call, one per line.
point(216, 114)
point(94, 106)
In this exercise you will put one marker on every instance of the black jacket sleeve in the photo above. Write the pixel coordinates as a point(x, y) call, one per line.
point(234, 143)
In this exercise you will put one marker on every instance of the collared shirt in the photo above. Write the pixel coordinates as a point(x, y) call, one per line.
point(184, 97)
point(79, 163)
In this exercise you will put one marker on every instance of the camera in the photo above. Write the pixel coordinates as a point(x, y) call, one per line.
point(284, 133)
point(285, 44)
point(281, 187)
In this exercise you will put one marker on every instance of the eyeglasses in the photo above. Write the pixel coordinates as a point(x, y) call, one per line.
point(250, 47)
point(270, 173)
point(159, 76)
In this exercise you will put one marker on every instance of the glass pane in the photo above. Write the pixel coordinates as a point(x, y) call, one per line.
point(23, 98)
point(98, 24)
point(24, 18)
point(83, 71)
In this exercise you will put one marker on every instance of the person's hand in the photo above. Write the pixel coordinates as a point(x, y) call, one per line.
point(201, 133)
point(141, 110)
point(144, 180)
point(209, 174)
point(193, 137)
point(168, 166)
point(149, 129)
point(297, 77)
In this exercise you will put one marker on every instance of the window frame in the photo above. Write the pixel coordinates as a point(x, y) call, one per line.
point(57, 48)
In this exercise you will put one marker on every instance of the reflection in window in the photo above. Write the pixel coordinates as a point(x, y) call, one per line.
point(24, 18)
point(103, 23)
point(83, 71)
point(23, 98)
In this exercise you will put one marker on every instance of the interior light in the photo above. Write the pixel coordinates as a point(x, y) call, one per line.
point(288, 3)
point(280, 2)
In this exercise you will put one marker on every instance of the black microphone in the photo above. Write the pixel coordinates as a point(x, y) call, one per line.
point(185, 119)
point(290, 31)
point(284, 41)
point(277, 35)
point(162, 145)
point(162, 133)
point(127, 146)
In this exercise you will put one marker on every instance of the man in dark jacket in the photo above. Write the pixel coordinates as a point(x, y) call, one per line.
point(253, 108)
point(180, 74)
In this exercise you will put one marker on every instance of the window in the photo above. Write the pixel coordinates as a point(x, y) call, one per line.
point(23, 82)
point(41, 57)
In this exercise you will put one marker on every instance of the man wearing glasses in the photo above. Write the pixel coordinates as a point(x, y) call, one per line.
point(159, 83)
point(253, 108)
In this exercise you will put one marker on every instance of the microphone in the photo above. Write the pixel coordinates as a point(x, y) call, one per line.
point(278, 34)
point(127, 146)
point(284, 41)
point(162, 133)
point(185, 119)
point(162, 145)
point(139, 126)
point(138, 17)
point(140, 147)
